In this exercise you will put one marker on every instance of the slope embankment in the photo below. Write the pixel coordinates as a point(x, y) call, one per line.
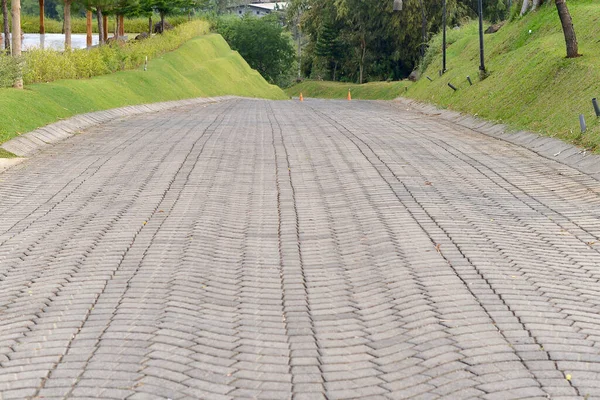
point(203, 67)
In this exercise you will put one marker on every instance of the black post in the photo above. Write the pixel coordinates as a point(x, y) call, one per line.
point(423, 29)
point(596, 108)
point(481, 58)
point(444, 40)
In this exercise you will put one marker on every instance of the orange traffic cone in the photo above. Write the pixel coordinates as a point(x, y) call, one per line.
point(301, 97)
point(349, 95)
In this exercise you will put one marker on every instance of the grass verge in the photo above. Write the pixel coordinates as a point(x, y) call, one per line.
point(6, 154)
point(531, 85)
point(339, 90)
point(202, 67)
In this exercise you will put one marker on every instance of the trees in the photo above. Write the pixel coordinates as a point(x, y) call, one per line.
point(16, 37)
point(67, 24)
point(568, 30)
point(6, 26)
point(263, 44)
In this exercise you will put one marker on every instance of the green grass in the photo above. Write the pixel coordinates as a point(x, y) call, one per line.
point(203, 67)
point(339, 90)
point(6, 154)
point(531, 84)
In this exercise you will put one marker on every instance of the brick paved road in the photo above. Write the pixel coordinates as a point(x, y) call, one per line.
point(254, 249)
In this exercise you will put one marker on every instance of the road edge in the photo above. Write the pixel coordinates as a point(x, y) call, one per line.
point(547, 147)
point(30, 143)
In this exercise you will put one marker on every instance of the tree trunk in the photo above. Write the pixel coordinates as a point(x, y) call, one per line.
point(6, 26)
point(524, 7)
point(162, 22)
point(569, 31)
point(100, 19)
point(16, 37)
point(121, 26)
point(150, 25)
point(105, 27)
point(68, 25)
point(535, 4)
point(42, 19)
point(361, 66)
point(423, 29)
point(88, 29)
point(335, 64)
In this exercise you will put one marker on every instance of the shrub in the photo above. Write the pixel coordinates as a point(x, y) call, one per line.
point(31, 24)
point(9, 70)
point(50, 65)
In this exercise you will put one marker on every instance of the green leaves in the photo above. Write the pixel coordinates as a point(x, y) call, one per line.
point(263, 44)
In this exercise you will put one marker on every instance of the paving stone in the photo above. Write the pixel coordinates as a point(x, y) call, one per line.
point(244, 248)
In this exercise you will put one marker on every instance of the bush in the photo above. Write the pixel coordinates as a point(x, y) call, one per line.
point(9, 70)
point(31, 24)
point(50, 65)
point(263, 43)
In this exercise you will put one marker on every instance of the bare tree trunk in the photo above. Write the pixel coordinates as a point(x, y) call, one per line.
point(105, 27)
point(535, 4)
point(121, 26)
point(361, 66)
point(524, 7)
point(6, 26)
point(100, 19)
point(68, 25)
point(569, 31)
point(162, 22)
point(16, 37)
point(88, 29)
point(423, 29)
point(42, 18)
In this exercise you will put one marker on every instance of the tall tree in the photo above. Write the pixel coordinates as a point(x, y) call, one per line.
point(42, 18)
point(6, 25)
point(67, 24)
point(99, 6)
point(568, 29)
point(16, 37)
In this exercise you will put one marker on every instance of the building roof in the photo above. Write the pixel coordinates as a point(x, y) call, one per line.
point(270, 6)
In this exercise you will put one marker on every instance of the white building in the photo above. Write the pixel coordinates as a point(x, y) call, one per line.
point(258, 9)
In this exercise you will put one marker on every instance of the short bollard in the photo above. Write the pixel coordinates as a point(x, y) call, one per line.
point(469, 79)
point(596, 108)
point(582, 123)
point(452, 86)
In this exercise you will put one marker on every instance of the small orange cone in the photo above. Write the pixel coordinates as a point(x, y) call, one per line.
point(301, 97)
point(349, 95)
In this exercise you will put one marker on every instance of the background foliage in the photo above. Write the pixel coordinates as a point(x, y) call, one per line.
point(345, 36)
point(263, 43)
point(50, 65)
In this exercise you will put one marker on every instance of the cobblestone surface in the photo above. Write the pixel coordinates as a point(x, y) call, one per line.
point(287, 250)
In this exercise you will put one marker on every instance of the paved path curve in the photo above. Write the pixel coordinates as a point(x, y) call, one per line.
point(316, 250)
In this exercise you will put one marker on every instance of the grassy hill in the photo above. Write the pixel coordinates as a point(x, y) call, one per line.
point(531, 84)
point(203, 67)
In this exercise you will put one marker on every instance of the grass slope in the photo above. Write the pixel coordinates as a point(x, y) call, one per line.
point(339, 90)
point(203, 67)
point(531, 84)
